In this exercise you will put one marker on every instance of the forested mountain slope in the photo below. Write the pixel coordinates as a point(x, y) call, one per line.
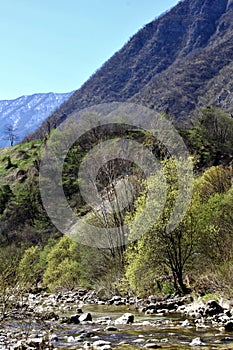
point(177, 63)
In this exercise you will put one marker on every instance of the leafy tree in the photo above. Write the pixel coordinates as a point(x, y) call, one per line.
point(64, 265)
point(216, 179)
point(29, 270)
point(161, 250)
point(33, 263)
point(216, 227)
point(211, 137)
point(214, 224)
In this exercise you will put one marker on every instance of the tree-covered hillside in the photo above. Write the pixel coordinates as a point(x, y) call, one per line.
point(196, 255)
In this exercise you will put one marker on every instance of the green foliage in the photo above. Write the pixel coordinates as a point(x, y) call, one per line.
point(33, 264)
point(64, 265)
point(211, 138)
point(159, 262)
point(23, 219)
point(167, 287)
point(167, 253)
point(210, 296)
point(213, 214)
point(214, 180)
point(201, 246)
point(29, 269)
point(224, 277)
point(144, 269)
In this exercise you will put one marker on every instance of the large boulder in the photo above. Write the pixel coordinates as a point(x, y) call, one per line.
point(85, 317)
point(125, 319)
point(213, 308)
point(74, 319)
point(229, 326)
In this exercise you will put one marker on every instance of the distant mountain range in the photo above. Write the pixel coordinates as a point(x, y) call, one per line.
point(25, 114)
point(178, 63)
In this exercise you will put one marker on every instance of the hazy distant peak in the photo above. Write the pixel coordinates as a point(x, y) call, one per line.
point(27, 112)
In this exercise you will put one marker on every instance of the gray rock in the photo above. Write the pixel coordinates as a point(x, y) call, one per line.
point(86, 335)
point(186, 323)
point(139, 341)
point(150, 311)
point(152, 346)
point(54, 337)
point(229, 326)
point(103, 320)
point(85, 317)
point(125, 319)
point(35, 342)
point(213, 308)
point(74, 319)
point(101, 344)
point(152, 299)
point(152, 306)
point(197, 342)
point(117, 300)
point(86, 345)
point(111, 329)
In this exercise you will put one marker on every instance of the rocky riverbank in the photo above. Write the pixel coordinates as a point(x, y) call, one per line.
point(81, 320)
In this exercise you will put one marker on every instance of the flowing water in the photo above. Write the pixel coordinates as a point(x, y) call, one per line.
point(165, 331)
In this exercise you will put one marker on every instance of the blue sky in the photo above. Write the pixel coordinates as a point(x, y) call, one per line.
point(55, 45)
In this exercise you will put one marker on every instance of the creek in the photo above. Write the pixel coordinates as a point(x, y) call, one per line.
point(80, 320)
point(164, 331)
